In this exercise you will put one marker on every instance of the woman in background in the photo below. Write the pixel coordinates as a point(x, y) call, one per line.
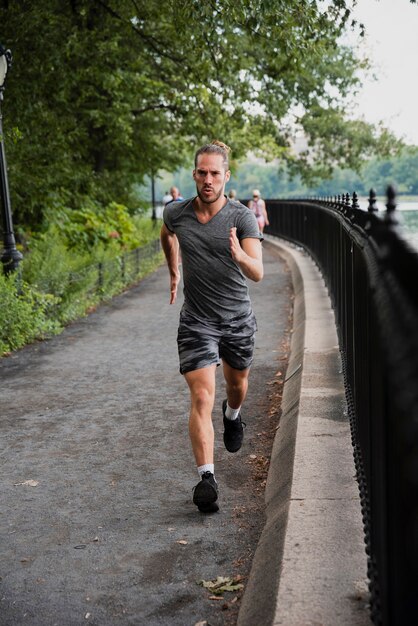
point(258, 207)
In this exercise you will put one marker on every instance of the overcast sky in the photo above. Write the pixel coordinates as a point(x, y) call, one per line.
point(392, 44)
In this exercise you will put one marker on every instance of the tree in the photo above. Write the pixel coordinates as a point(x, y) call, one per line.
point(105, 92)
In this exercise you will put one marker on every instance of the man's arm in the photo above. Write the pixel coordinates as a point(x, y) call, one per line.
point(248, 254)
point(170, 245)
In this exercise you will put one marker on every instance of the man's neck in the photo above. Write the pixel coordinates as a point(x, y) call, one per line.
point(209, 208)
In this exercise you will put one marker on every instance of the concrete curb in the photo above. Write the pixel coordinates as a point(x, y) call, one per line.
point(310, 564)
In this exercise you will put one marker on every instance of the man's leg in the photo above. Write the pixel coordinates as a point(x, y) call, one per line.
point(202, 395)
point(236, 390)
point(236, 385)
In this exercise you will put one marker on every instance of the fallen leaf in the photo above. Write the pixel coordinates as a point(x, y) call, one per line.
point(28, 483)
point(253, 456)
point(201, 623)
point(216, 598)
point(183, 542)
point(222, 584)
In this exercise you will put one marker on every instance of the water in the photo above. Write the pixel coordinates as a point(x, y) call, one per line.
point(410, 226)
point(408, 218)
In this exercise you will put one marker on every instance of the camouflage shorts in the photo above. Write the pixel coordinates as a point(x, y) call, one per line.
point(202, 342)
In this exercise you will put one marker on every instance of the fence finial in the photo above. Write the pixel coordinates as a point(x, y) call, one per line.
point(346, 206)
point(347, 199)
point(355, 201)
point(372, 201)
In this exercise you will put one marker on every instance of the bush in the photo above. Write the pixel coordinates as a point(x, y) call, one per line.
point(52, 269)
point(24, 314)
point(94, 225)
point(71, 267)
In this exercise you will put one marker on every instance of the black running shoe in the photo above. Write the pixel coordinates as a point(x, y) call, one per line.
point(234, 431)
point(206, 493)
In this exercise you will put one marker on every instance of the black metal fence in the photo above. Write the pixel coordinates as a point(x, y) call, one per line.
point(126, 268)
point(371, 273)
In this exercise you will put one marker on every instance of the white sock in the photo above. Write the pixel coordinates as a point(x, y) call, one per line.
point(209, 467)
point(231, 414)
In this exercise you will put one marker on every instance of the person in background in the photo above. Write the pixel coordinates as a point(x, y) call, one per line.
point(258, 207)
point(221, 248)
point(175, 194)
point(167, 197)
point(232, 194)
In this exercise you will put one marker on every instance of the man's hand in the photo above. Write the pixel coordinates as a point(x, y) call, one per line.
point(235, 246)
point(248, 255)
point(174, 283)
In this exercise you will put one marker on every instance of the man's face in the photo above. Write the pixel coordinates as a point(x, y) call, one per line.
point(210, 177)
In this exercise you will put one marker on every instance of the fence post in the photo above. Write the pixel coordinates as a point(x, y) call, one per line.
point(100, 275)
point(390, 215)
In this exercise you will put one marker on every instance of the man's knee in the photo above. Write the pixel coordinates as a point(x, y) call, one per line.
point(202, 390)
point(202, 396)
point(237, 384)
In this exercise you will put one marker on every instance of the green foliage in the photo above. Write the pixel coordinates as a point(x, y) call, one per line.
point(64, 260)
point(53, 269)
point(24, 314)
point(61, 284)
point(400, 170)
point(103, 93)
point(94, 225)
point(336, 140)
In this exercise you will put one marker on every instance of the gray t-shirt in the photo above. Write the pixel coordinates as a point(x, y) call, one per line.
point(214, 285)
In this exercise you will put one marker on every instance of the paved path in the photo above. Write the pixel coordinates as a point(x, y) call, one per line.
point(97, 418)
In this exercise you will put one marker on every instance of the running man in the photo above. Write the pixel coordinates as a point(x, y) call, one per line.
point(220, 247)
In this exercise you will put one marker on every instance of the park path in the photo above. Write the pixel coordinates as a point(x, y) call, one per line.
point(98, 526)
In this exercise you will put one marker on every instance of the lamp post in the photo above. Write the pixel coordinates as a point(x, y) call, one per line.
point(154, 214)
point(10, 256)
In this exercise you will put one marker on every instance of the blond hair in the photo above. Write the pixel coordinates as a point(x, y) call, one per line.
point(215, 147)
